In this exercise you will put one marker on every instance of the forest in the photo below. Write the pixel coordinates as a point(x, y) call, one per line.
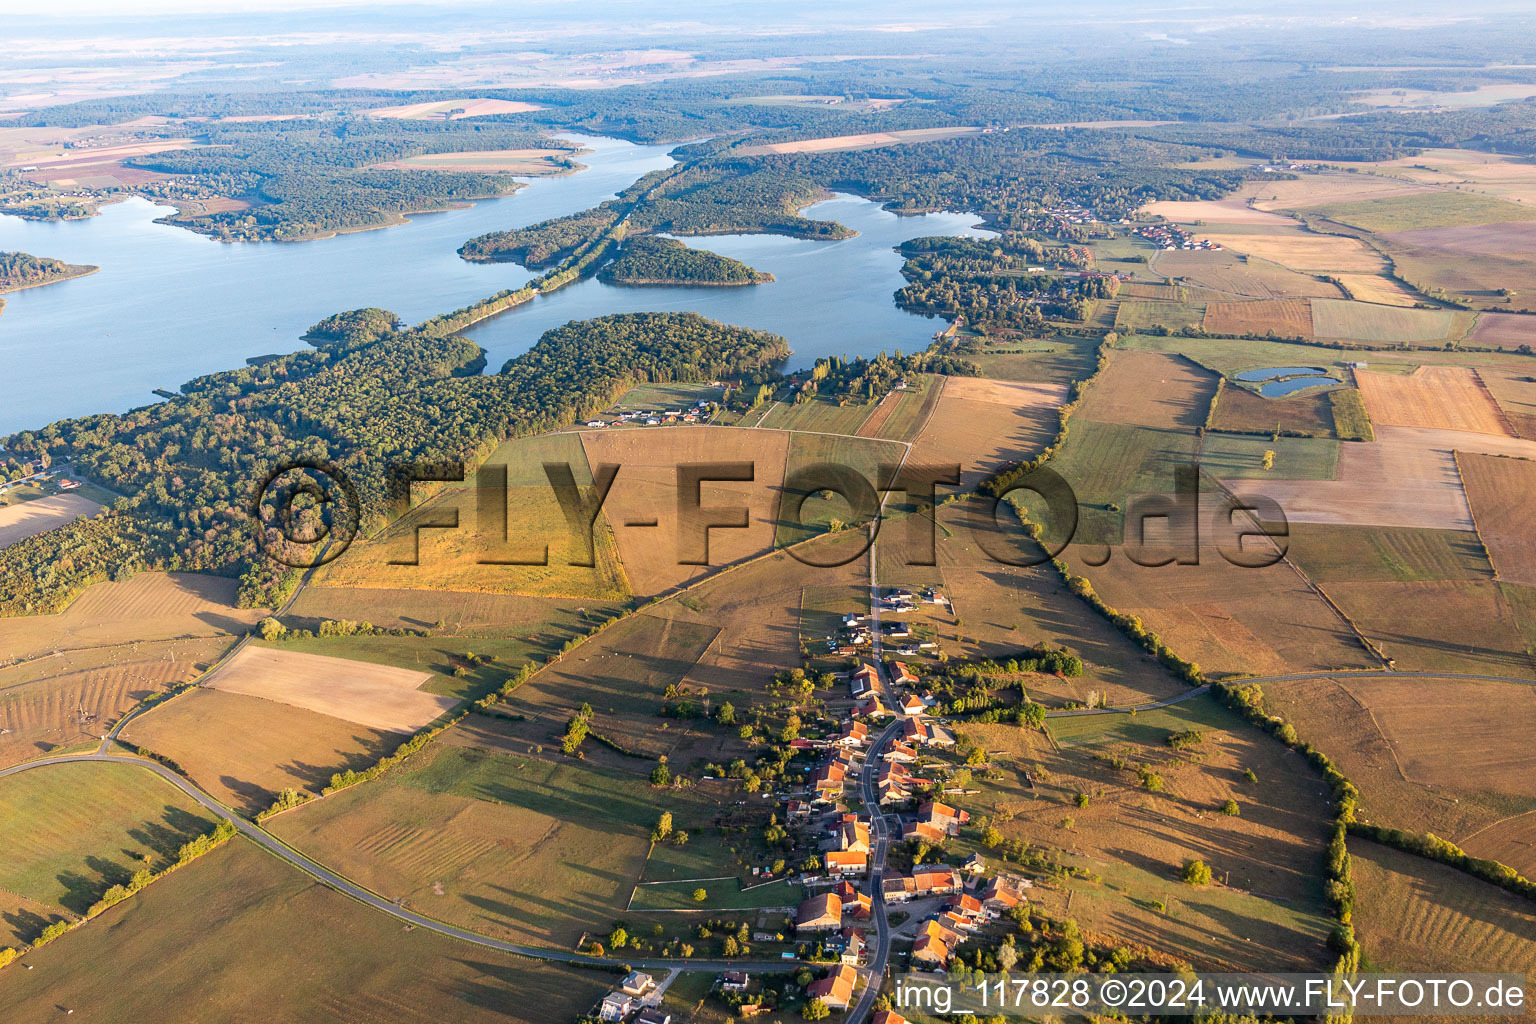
point(649, 259)
point(22, 270)
point(307, 178)
point(191, 464)
point(994, 282)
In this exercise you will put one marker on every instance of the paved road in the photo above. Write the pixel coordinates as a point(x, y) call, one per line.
point(347, 887)
point(879, 845)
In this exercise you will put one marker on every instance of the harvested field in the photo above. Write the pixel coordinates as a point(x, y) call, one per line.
point(1515, 391)
point(1504, 330)
point(1339, 717)
point(1499, 491)
point(819, 414)
point(1436, 397)
point(1378, 554)
point(871, 140)
point(1511, 841)
point(239, 928)
point(1243, 411)
point(986, 424)
point(1143, 314)
point(1321, 189)
point(1107, 463)
point(1364, 321)
point(997, 609)
point(1306, 253)
point(41, 514)
point(149, 606)
point(479, 554)
point(1406, 477)
point(873, 460)
point(1426, 210)
point(1150, 389)
point(245, 750)
point(1268, 910)
point(505, 161)
point(1231, 210)
point(374, 696)
point(1416, 915)
point(899, 417)
point(642, 505)
point(1377, 288)
point(72, 831)
point(1508, 177)
point(1239, 277)
point(58, 701)
point(1229, 619)
point(1459, 627)
point(454, 110)
point(1286, 318)
point(1240, 458)
point(623, 674)
point(1145, 290)
point(462, 614)
point(1515, 238)
point(516, 847)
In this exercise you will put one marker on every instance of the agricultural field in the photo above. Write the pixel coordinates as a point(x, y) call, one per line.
point(1440, 626)
point(149, 606)
point(1242, 411)
point(1499, 491)
point(1514, 388)
point(1149, 389)
point(1230, 619)
point(1428, 754)
point(821, 414)
point(1374, 324)
point(623, 675)
point(1503, 331)
point(1406, 477)
point(982, 425)
point(1415, 915)
point(1234, 457)
point(378, 697)
point(245, 750)
point(997, 610)
point(453, 110)
point(1267, 906)
point(55, 702)
point(1379, 554)
point(1140, 315)
point(26, 518)
point(1425, 209)
point(522, 848)
point(462, 614)
point(1378, 288)
point(642, 504)
point(239, 928)
point(811, 505)
point(498, 532)
point(902, 414)
point(1058, 360)
point(1285, 318)
point(868, 140)
point(522, 162)
point(1231, 210)
point(1435, 397)
point(72, 831)
point(1303, 252)
point(1232, 275)
point(1106, 463)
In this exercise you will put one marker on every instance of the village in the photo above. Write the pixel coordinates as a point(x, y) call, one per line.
point(871, 808)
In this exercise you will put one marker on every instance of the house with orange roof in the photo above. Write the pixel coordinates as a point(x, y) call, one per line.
point(854, 902)
point(924, 831)
point(836, 989)
point(846, 862)
point(822, 913)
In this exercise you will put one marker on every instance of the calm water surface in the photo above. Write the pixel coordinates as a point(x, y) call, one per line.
point(169, 305)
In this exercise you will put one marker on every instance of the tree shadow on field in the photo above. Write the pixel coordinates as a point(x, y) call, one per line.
point(224, 623)
point(27, 924)
point(251, 796)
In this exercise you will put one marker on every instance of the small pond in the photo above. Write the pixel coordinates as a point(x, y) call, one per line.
point(1280, 388)
point(1275, 372)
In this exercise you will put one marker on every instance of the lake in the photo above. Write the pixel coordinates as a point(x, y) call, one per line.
point(169, 305)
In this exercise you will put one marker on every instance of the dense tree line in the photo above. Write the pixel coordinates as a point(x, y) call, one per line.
point(648, 259)
point(191, 464)
point(544, 244)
